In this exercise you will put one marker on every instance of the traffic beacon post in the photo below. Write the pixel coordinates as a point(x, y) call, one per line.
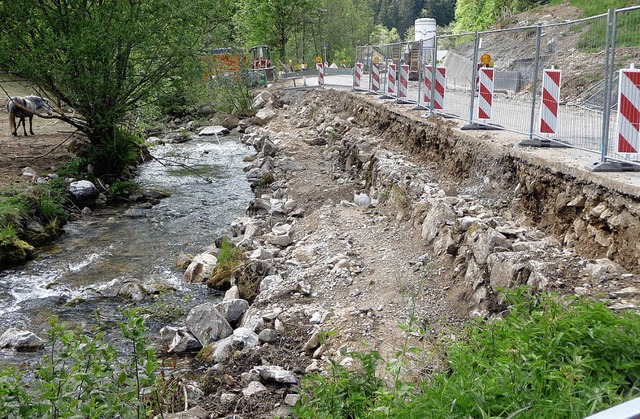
point(484, 82)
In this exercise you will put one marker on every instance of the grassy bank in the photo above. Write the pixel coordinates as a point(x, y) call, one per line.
point(549, 357)
point(29, 218)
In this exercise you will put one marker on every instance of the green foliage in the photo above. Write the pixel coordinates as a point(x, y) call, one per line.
point(549, 357)
point(270, 22)
point(382, 35)
point(597, 7)
point(443, 11)
point(83, 376)
point(112, 157)
point(122, 188)
point(233, 92)
point(343, 392)
point(104, 59)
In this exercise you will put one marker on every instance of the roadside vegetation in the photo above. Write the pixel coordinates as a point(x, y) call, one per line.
point(549, 357)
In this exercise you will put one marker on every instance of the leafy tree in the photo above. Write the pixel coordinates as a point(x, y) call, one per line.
point(382, 35)
point(270, 22)
point(104, 58)
point(443, 11)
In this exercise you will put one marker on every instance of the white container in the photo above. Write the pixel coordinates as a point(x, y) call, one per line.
point(425, 29)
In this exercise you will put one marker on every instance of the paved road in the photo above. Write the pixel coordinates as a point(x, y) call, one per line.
point(579, 127)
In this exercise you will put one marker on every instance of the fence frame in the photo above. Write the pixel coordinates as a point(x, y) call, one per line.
point(607, 161)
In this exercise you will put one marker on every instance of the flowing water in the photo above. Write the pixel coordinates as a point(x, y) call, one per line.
point(76, 278)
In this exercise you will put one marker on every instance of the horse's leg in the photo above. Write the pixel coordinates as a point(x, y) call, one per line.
point(12, 124)
point(24, 125)
point(31, 124)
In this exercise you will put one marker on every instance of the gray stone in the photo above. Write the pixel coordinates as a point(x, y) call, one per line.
point(214, 130)
point(132, 290)
point(245, 337)
point(271, 283)
point(83, 193)
point(486, 242)
point(267, 336)
point(254, 387)
point(439, 215)
point(178, 340)
point(197, 412)
point(207, 324)
point(269, 149)
point(465, 223)
point(222, 349)
point(362, 200)
point(291, 399)
point(200, 268)
point(20, 340)
point(135, 212)
point(265, 115)
point(304, 253)
point(232, 310)
point(506, 269)
point(313, 342)
point(276, 373)
point(232, 293)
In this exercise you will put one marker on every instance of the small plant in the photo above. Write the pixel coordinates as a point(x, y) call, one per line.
point(82, 376)
point(230, 262)
point(343, 392)
point(122, 188)
point(549, 357)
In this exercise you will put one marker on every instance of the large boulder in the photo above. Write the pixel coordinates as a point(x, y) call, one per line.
point(178, 340)
point(207, 324)
point(437, 218)
point(83, 193)
point(200, 268)
point(21, 340)
point(232, 310)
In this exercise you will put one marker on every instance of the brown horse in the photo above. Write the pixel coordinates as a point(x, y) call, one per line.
point(25, 107)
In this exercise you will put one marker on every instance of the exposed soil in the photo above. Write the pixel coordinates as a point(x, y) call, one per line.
point(44, 152)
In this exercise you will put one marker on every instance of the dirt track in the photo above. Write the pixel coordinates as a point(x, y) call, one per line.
point(43, 152)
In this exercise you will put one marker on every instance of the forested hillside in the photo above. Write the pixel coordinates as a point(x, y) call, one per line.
point(300, 30)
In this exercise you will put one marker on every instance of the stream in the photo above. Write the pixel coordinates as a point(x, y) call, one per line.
point(74, 278)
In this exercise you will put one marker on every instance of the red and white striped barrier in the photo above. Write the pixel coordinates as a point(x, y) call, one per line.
point(320, 69)
point(375, 77)
point(403, 81)
point(485, 98)
point(550, 101)
point(391, 80)
point(441, 82)
point(357, 75)
point(629, 111)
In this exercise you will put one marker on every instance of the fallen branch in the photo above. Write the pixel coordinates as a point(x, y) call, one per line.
point(48, 152)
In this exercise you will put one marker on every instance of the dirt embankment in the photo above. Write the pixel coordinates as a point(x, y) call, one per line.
point(394, 219)
point(596, 216)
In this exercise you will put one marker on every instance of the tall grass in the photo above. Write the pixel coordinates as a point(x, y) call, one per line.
point(549, 357)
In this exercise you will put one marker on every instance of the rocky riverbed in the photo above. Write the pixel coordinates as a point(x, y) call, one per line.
point(367, 217)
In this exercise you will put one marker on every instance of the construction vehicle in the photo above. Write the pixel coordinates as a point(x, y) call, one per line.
point(261, 66)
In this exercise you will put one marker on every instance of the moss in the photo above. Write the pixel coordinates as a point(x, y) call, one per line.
point(14, 252)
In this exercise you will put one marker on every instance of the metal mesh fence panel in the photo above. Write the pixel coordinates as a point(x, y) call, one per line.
point(583, 74)
point(513, 75)
point(456, 54)
point(624, 88)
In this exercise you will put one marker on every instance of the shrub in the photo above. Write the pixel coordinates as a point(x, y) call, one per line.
point(549, 357)
point(82, 376)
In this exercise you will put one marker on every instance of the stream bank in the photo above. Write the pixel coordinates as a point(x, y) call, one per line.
point(375, 217)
